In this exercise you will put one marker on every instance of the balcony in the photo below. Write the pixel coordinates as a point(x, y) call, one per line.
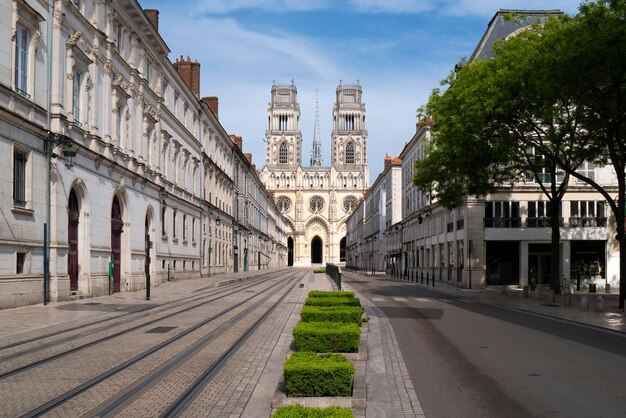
point(587, 222)
point(502, 222)
point(542, 222)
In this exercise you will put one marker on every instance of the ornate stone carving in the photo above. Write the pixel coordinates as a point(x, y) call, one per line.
point(316, 204)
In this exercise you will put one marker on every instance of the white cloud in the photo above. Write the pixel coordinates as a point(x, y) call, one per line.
point(490, 7)
point(278, 6)
point(445, 7)
point(392, 6)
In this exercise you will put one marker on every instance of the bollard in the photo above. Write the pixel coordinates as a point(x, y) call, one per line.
point(426, 279)
point(584, 303)
point(525, 291)
point(537, 292)
point(422, 278)
point(599, 303)
point(567, 299)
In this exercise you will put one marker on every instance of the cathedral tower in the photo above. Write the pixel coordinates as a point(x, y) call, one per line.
point(349, 137)
point(283, 139)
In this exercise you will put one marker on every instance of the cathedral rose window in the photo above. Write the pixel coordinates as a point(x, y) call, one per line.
point(316, 204)
point(349, 203)
point(283, 203)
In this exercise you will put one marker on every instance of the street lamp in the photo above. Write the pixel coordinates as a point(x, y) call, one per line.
point(69, 154)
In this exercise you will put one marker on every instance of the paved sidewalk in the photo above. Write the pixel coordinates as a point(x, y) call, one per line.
point(389, 391)
point(612, 318)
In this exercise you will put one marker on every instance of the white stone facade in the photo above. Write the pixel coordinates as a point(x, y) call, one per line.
point(371, 243)
point(316, 201)
point(154, 170)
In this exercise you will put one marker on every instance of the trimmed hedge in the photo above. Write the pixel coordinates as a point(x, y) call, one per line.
point(329, 294)
point(328, 301)
point(299, 411)
point(345, 314)
point(327, 337)
point(310, 374)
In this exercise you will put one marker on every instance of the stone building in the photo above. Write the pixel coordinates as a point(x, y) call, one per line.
point(108, 143)
point(503, 238)
point(370, 245)
point(316, 200)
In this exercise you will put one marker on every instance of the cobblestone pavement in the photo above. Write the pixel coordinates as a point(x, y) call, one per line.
point(244, 387)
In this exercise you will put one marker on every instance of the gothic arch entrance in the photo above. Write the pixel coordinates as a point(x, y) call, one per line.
point(316, 250)
point(72, 239)
point(290, 251)
point(342, 250)
point(116, 242)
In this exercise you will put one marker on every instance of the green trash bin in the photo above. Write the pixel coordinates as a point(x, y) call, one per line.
point(592, 288)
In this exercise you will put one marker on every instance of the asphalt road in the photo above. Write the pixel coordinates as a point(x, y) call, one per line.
point(469, 359)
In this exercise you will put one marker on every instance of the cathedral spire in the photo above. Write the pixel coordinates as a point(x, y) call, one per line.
point(316, 154)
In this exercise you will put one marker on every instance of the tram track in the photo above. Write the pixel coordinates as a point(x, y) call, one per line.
point(172, 363)
point(139, 311)
point(165, 314)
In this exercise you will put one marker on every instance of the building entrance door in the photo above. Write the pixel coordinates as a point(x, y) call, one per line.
point(116, 242)
point(316, 250)
point(72, 237)
point(290, 251)
point(539, 263)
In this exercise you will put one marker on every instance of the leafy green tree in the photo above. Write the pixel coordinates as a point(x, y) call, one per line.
point(501, 119)
point(590, 65)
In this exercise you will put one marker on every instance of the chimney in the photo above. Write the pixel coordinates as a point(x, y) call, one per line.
point(248, 157)
point(238, 141)
point(190, 73)
point(211, 102)
point(153, 17)
point(387, 160)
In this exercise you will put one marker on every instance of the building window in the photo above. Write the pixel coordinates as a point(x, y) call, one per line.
point(22, 43)
point(76, 88)
point(118, 38)
point(587, 213)
point(174, 224)
point(148, 71)
point(184, 227)
point(163, 225)
point(19, 178)
point(350, 153)
point(118, 125)
point(349, 119)
point(539, 215)
point(76, 3)
point(282, 154)
point(193, 230)
point(502, 214)
point(283, 122)
point(587, 169)
point(20, 262)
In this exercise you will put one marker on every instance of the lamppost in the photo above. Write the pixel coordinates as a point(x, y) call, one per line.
point(69, 154)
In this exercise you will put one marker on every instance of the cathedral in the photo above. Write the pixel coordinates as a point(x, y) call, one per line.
point(316, 199)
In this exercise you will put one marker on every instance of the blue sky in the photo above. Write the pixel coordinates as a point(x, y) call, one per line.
point(399, 50)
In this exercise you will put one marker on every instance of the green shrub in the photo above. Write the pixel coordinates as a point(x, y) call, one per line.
point(310, 374)
point(346, 314)
point(319, 271)
point(299, 411)
point(327, 337)
point(330, 294)
point(332, 301)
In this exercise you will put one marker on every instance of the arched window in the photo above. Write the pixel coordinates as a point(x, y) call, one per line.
point(282, 153)
point(350, 153)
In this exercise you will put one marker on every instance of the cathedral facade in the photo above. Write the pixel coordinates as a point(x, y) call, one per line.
point(316, 199)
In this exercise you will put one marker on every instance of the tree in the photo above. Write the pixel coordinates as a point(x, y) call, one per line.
point(591, 68)
point(501, 119)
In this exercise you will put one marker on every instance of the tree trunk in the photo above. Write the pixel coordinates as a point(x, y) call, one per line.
point(621, 239)
point(555, 229)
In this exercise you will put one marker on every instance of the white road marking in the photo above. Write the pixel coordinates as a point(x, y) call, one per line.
point(422, 299)
point(378, 299)
point(400, 299)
